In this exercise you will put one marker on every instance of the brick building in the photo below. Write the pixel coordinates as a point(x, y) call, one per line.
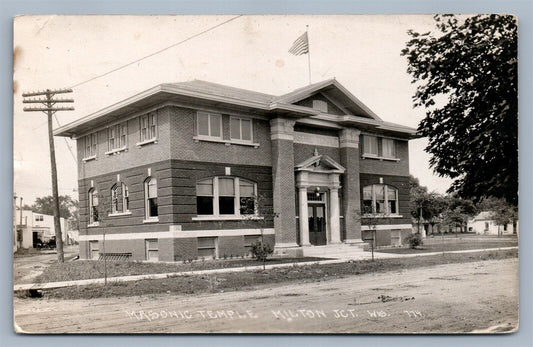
point(195, 169)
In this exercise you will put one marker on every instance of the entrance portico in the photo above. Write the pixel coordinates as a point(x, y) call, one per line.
point(319, 176)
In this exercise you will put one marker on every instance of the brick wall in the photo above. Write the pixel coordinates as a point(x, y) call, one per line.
point(176, 182)
point(183, 147)
point(184, 177)
point(134, 156)
point(284, 192)
point(165, 249)
point(303, 152)
point(386, 167)
point(185, 248)
point(134, 178)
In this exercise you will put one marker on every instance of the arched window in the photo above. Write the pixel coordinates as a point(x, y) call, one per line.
point(226, 196)
point(120, 201)
point(150, 198)
point(93, 206)
point(380, 199)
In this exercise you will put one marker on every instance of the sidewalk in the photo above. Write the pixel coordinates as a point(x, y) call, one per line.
point(361, 256)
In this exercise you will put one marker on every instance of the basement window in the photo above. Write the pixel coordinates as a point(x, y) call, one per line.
point(152, 250)
point(207, 247)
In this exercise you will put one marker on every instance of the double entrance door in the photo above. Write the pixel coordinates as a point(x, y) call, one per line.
point(317, 224)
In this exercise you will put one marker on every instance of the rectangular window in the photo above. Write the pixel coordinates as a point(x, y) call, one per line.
point(93, 206)
point(94, 250)
point(90, 145)
point(247, 198)
point(226, 195)
point(114, 199)
point(148, 127)
point(123, 133)
point(111, 138)
point(152, 253)
point(209, 124)
point(204, 197)
point(150, 186)
point(367, 200)
point(241, 129)
point(379, 191)
point(125, 198)
point(207, 247)
point(370, 145)
point(388, 148)
point(380, 199)
point(391, 200)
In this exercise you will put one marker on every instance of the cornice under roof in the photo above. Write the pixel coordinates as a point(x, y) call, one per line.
point(217, 95)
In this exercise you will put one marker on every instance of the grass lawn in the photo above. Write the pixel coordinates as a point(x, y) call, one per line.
point(88, 269)
point(450, 243)
point(238, 281)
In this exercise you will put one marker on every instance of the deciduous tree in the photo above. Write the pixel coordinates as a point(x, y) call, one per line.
point(466, 76)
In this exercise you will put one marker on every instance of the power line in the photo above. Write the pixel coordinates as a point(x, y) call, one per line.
point(43, 187)
point(146, 57)
point(66, 141)
point(157, 52)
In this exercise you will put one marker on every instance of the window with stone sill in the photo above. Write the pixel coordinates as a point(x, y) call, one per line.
point(226, 197)
point(90, 145)
point(380, 199)
point(241, 129)
point(93, 206)
point(120, 201)
point(209, 125)
point(116, 137)
point(150, 198)
point(371, 148)
point(389, 150)
point(148, 127)
point(370, 145)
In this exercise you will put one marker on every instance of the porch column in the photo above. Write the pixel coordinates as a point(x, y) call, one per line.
point(334, 218)
point(303, 216)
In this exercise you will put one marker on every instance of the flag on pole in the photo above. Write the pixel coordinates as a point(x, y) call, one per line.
point(300, 45)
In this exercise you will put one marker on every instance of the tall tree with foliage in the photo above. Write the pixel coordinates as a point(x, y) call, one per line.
point(466, 76)
point(425, 205)
point(44, 205)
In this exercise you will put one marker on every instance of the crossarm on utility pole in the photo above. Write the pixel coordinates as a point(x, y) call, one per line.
point(50, 109)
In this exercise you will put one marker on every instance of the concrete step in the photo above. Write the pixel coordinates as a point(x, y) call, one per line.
point(337, 250)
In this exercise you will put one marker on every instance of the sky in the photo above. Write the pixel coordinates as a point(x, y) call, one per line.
point(361, 51)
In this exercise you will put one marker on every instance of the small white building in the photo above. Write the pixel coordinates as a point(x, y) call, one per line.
point(484, 224)
point(34, 227)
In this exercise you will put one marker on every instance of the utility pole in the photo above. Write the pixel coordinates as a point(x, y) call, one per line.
point(49, 108)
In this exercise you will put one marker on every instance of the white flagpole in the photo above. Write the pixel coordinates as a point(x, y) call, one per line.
point(309, 53)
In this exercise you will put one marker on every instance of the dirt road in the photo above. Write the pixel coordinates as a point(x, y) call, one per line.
point(26, 268)
point(441, 299)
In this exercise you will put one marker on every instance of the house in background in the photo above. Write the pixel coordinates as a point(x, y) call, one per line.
point(484, 224)
point(192, 169)
point(35, 228)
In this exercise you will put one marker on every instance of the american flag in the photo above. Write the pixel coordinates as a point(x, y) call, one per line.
point(300, 45)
